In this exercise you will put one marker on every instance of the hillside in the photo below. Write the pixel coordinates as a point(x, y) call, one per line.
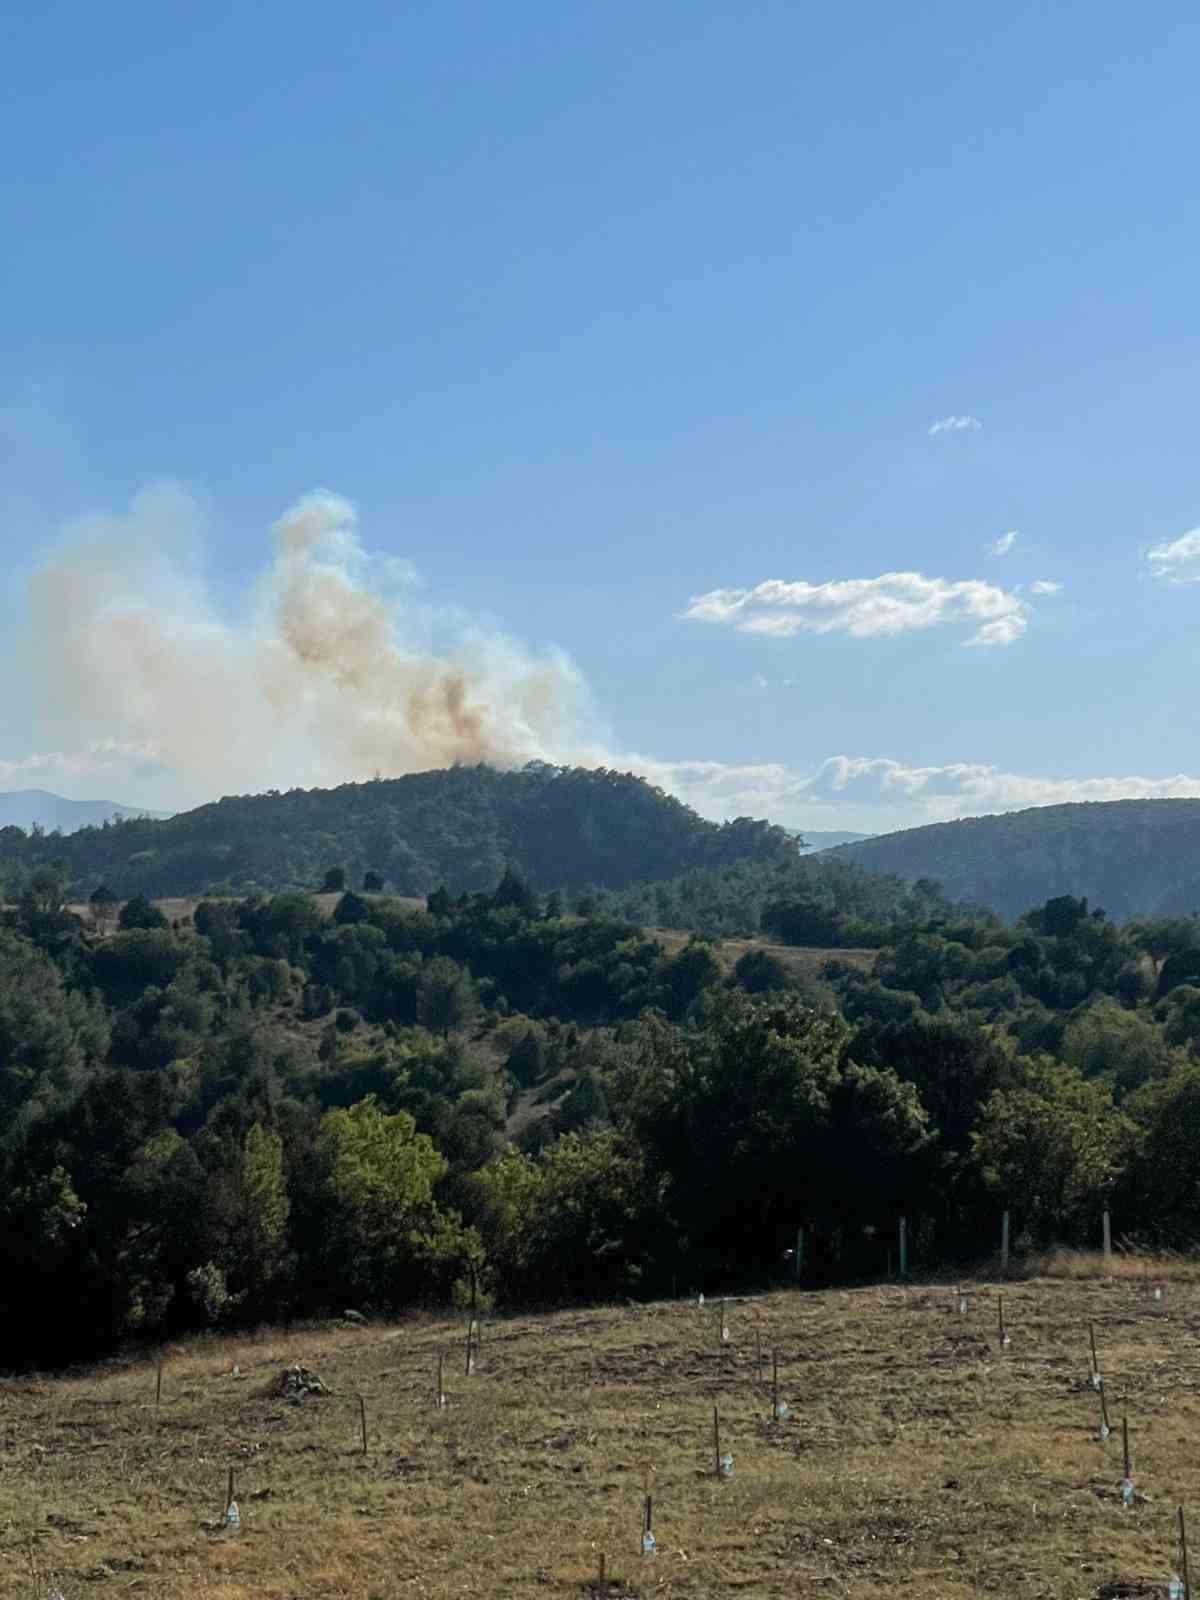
point(30, 808)
point(1133, 857)
point(916, 1457)
point(561, 828)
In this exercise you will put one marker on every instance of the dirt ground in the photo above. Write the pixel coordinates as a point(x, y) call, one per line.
point(919, 1457)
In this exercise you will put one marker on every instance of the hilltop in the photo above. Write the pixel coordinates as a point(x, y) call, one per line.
point(567, 828)
point(1133, 857)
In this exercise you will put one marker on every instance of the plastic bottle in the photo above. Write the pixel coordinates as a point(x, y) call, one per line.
point(233, 1517)
point(649, 1544)
point(1127, 1491)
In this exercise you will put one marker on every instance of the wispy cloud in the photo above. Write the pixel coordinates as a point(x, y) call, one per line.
point(105, 758)
point(1179, 561)
point(955, 425)
point(866, 608)
point(1004, 543)
point(1044, 586)
point(881, 793)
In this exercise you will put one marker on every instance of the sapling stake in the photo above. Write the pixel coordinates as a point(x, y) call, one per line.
point(362, 1413)
point(648, 1526)
point(1000, 1313)
point(441, 1387)
point(229, 1493)
point(1126, 1468)
point(1095, 1361)
point(717, 1443)
point(1105, 1426)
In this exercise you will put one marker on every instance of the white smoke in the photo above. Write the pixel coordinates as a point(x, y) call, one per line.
point(328, 674)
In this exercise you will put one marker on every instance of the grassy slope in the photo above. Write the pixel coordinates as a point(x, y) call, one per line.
point(919, 1460)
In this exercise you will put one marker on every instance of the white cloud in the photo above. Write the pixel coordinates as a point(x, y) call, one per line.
point(867, 608)
point(1044, 586)
point(955, 425)
point(1179, 561)
point(1004, 543)
point(879, 794)
point(105, 758)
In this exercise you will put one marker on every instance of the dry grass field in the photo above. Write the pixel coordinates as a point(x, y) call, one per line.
point(919, 1457)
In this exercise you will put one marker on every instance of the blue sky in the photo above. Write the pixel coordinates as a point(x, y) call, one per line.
point(619, 336)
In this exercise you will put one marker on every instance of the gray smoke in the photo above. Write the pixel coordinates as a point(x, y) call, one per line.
point(327, 674)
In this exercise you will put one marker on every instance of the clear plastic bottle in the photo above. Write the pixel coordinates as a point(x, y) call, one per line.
point(1175, 1588)
point(233, 1517)
point(782, 1411)
point(1127, 1491)
point(649, 1544)
point(727, 1466)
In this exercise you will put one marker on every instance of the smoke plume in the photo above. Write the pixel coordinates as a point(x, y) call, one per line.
point(327, 672)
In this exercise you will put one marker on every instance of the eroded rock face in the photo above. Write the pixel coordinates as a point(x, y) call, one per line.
point(296, 1383)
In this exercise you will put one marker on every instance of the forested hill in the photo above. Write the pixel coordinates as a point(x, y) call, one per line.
point(1133, 857)
point(561, 828)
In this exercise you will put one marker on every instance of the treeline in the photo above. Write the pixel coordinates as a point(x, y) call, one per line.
point(265, 1112)
point(560, 827)
point(819, 901)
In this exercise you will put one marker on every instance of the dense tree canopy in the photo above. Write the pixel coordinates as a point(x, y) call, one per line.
point(278, 1107)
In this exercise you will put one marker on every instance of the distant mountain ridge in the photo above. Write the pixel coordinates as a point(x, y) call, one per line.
point(30, 808)
point(567, 828)
point(1131, 857)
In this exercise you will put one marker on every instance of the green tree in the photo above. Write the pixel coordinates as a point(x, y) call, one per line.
point(140, 913)
point(1051, 1150)
point(445, 996)
point(377, 1177)
point(103, 903)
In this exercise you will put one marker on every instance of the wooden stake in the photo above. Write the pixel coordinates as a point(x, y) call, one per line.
point(758, 1353)
point(716, 1442)
point(1126, 1472)
point(470, 1338)
point(602, 1578)
point(441, 1388)
point(1104, 1408)
point(774, 1386)
point(1183, 1556)
point(1095, 1362)
point(229, 1493)
point(1000, 1311)
point(362, 1410)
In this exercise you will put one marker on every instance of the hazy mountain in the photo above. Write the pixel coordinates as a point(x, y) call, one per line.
point(1128, 856)
point(462, 827)
point(25, 808)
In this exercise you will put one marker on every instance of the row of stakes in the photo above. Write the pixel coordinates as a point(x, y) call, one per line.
point(1178, 1589)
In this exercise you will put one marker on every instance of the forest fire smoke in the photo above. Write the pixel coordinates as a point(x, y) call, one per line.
point(333, 675)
